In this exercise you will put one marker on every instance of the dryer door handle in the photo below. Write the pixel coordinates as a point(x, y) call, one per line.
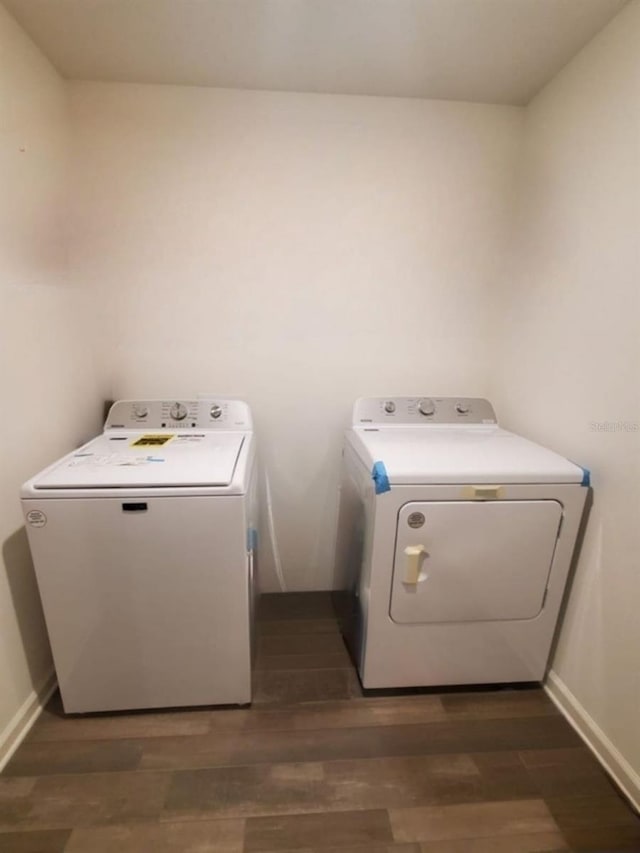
point(414, 556)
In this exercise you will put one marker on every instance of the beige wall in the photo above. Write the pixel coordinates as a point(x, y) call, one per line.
point(569, 359)
point(295, 250)
point(48, 396)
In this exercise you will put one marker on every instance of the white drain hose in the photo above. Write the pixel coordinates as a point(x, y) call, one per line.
point(272, 533)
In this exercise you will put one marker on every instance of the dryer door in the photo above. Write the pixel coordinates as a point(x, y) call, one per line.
point(473, 561)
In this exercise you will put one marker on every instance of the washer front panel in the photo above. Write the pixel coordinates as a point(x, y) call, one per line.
point(147, 603)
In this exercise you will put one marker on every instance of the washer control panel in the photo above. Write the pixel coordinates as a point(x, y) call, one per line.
point(219, 413)
point(419, 411)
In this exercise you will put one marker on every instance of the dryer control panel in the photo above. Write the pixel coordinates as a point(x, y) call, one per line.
point(221, 413)
point(421, 411)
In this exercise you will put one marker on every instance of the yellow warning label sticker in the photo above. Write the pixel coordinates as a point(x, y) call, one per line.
point(152, 440)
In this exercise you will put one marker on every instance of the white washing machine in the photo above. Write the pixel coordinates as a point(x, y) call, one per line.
point(455, 539)
point(144, 542)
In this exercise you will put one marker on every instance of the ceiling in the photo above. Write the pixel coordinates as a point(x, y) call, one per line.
point(497, 51)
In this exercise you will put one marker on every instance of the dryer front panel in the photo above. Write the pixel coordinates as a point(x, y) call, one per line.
point(473, 561)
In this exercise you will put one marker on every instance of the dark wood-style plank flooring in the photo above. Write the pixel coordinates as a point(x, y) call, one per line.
point(314, 767)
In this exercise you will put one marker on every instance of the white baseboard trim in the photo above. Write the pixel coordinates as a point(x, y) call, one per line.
point(19, 725)
point(611, 758)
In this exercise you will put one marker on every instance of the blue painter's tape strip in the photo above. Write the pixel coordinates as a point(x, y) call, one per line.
point(586, 477)
point(380, 478)
point(252, 539)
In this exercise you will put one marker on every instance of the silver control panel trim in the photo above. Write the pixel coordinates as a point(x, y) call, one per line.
point(219, 413)
point(370, 412)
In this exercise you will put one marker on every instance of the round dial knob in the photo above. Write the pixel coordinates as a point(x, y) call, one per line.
point(462, 408)
point(427, 407)
point(140, 411)
point(216, 411)
point(178, 412)
point(389, 407)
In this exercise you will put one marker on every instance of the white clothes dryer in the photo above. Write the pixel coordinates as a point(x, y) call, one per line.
point(144, 547)
point(455, 539)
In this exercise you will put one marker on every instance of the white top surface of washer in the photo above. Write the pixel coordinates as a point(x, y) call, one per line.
point(110, 461)
point(154, 444)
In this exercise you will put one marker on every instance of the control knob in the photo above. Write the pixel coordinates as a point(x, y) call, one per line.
point(216, 411)
point(178, 412)
point(462, 408)
point(389, 407)
point(427, 408)
point(140, 411)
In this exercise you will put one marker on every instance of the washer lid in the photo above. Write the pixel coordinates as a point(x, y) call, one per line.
point(134, 459)
point(462, 455)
